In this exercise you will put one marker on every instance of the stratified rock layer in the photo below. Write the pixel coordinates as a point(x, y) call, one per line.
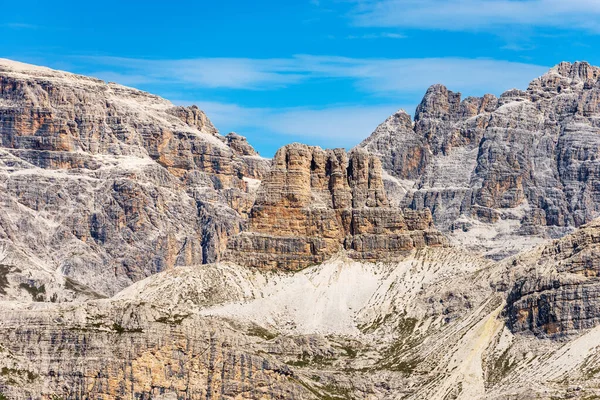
point(491, 169)
point(315, 202)
point(560, 292)
point(107, 184)
point(161, 188)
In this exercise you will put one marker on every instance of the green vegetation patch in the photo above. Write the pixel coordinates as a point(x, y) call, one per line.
point(173, 319)
point(120, 329)
point(395, 358)
point(77, 287)
point(261, 332)
point(350, 351)
point(4, 270)
point(37, 293)
point(377, 323)
point(12, 374)
point(306, 359)
point(501, 368)
point(326, 392)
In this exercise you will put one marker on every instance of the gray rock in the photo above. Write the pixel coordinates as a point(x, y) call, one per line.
point(559, 290)
point(107, 185)
point(530, 157)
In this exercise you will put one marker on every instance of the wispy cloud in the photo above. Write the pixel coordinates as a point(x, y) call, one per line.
point(18, 25)
point(336, 125)
point(376, 76)
point(518, 47)
point(460, 15)
point(398, 83)
point(233, 73)
point(383, 35)
point(414, 75)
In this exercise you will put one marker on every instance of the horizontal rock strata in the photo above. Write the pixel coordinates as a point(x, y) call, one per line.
point(314, 203)
point(108, 184)
point(560, 292)
point(525, 163)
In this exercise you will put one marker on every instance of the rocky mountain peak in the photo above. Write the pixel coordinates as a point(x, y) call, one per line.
point(399, 120)
point(446, 105)
point(194, 117)
point(104, 187)
point(399, 123)
point(314, 203)
point(580, 70)
point(528, 157)
point(438, 102)
point(239, 144)
point(397, 132)
point(564, 79)
point(108, 184)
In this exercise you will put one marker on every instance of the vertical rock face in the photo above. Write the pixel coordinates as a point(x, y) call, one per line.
point(439, 112)
point(157, 360)
point(102, 185)
point(522, 164)
point(314, 203)
point(109, 184)
point(402, 148)
point(560, 290)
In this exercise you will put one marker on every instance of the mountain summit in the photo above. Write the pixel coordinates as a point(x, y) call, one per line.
point(500, 174)
point(145, 255)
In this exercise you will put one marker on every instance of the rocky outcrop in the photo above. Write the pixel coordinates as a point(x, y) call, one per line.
point(107, 184)
point(104, 187)
point(165, 359)
point(315, 202)
point(223, 331)
point(240, 145)
point(559, 291)
point(525, 163)
point(429, 326)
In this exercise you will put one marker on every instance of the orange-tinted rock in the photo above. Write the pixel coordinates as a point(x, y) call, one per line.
point(240, 145)
point(108, 184)
point(314, 203)
point(559, 291)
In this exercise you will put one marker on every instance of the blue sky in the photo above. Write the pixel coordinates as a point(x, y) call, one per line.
point(322, 72)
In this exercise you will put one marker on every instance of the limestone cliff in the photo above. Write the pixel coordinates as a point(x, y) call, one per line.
point(493, 170)
point(559, 291)
point(104, 188)
point(433, 325)
point(315, 202)
point(106, 184)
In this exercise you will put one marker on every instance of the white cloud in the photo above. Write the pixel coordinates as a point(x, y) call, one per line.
point(414, 75)
point(333, 126)
point(458, 15)
point(383, 35)
point(400, 76)
point(234, 73)
point(343, 126)
point(18, 25)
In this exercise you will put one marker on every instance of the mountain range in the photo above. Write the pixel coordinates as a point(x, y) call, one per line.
point(451, 256)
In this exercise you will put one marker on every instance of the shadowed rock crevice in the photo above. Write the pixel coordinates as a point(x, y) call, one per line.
point(102, 186)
